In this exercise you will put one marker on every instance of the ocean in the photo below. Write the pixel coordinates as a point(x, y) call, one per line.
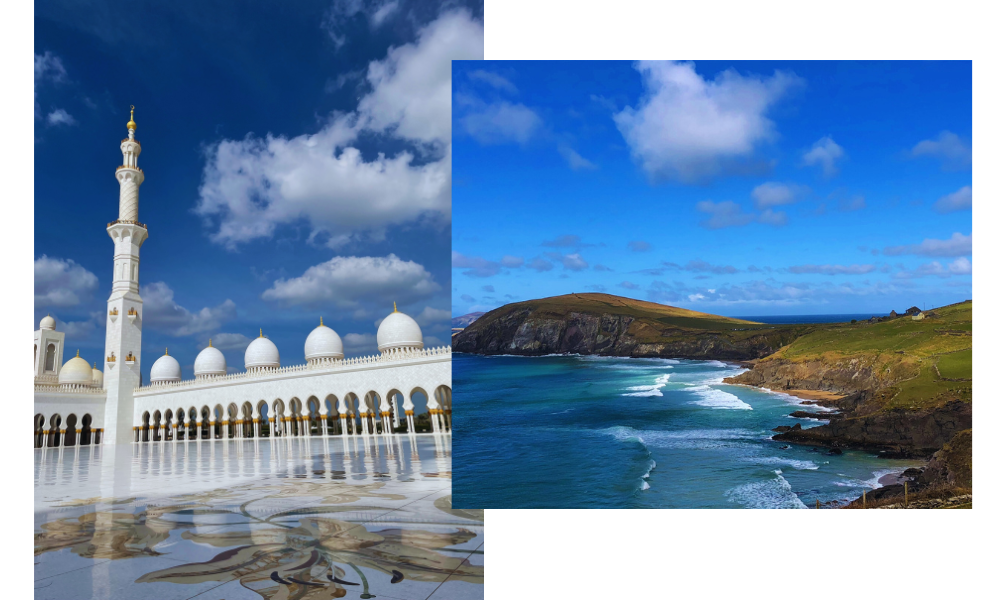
point(596, 432)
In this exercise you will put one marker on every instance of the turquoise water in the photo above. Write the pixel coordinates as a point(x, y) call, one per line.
point(596, 432)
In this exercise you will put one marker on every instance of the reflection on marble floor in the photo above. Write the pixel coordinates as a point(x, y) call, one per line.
point(299, 518)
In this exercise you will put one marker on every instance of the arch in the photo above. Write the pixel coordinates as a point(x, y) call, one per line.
point(421, 416)
point(442, 394)
point(168, 421)
point(332, 415)
point(192, 424)
point(50, 357)
point(54, 422)
point(264, 423)
point(156, 421)
point(218, 414)
point(181, 427)
point(206, 419)
point(398, 414)
point(373, 405)
point(353, 413)
point(295, 412)
point(248, 430)
point(39, 430)
point(144, 428)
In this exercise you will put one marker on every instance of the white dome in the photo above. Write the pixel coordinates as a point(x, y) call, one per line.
point(165, 369)
point(47, 323)
point(97, 377)
point(262, 353)
point(399, 331)
point(76, 371)
point(324, 342)
point(210, 361)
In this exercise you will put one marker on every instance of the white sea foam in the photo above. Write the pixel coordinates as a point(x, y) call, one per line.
point(644, 486)
point(771, 493)
point(698, 439)
point(780, 460)
point(649, 390)
point(713, 398)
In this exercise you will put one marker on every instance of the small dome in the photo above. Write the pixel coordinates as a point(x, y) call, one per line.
point(262, 353)
point(399, 331)
point(210, 361)
point(76, 371)
point(97, 377)
point(324, 342)
point(47, 323)
point(165, 369)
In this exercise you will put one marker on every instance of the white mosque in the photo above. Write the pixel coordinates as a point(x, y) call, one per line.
point(80, 404)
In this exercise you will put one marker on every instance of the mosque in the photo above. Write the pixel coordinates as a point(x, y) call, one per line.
point(77, 403)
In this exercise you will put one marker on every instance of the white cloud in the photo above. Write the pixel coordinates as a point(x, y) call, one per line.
point(347, 282)
point(960, 200)
point(61, 283)
point(227, 342)
point(433, 317)
point(162, 313)
point(956, 245)
point(476, 266)
point(252, 185)
point(949, 148)
point(723, 214)
point(338, 19)
point(574, 160)
point(690, 129)
point(772, 193)
point(574, 262)
point(773, 217)
point(49, 67)
point(499, 122)
point(360, 343)
point(497, 81)
point(60, 117)
point(959, 266)
point(824, 153)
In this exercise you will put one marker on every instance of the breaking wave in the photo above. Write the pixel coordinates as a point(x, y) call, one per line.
point(770, 493)
point(713, 398)
point(649, 390)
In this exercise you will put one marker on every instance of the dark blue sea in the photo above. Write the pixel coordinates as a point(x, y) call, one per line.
point(593, 432)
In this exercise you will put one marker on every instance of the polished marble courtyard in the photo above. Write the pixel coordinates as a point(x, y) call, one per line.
point(294, 518)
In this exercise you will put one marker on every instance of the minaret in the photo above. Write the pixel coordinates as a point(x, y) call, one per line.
point(124, 330)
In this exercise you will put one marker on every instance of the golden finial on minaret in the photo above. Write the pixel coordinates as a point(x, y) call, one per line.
point(166, 352)
point(209, 342)
point(261, 332)
point(321, 321)
point(394, 307)
point(78, 353)
point(131, 119)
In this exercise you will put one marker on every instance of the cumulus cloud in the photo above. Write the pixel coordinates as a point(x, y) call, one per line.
point(493, 80)
point(61, 282)
point(766, 292)
point(603, 268)
point(950, 149)
point(772, 193)
point(960, 200)
point(570, 262)
point(690, 129)
point(956, 245)
point(639, 246)
point(350, 281)
point(832, 269)
point(49, 67)
point(824, 153)
point(251, 186)
point(433, 317)
point(60, 117)
point(512, 261)
point(539, 264)
point(628, 285)
point(499, 122)
point(162, 313)
point(574, 160)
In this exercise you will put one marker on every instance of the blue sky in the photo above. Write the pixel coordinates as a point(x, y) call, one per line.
point(297, 160)
point(738, 188)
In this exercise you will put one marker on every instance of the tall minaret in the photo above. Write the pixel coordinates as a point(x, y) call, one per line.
point(124, 338)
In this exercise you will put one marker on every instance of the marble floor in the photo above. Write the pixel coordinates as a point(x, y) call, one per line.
point(294, 518)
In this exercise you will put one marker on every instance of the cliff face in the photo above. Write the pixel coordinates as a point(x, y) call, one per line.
point(842, 375)
point(525, 332)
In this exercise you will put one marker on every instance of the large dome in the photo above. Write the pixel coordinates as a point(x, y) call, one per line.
point(76, 371)
point(210, 361)
point(399, 331)
point(97, 377)
point(47, 323)
point(165, 369)
point(262, 353)
point(324, 342)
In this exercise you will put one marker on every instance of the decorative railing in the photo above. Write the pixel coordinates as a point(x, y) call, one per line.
point(119, 168)
point(128, 222)
point(47, 380)
point(334, 365)
point(70, 388)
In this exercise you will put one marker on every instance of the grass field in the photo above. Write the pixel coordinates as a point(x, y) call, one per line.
point(902, 343)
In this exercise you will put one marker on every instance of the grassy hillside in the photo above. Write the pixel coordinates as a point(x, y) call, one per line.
point(934, 353)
